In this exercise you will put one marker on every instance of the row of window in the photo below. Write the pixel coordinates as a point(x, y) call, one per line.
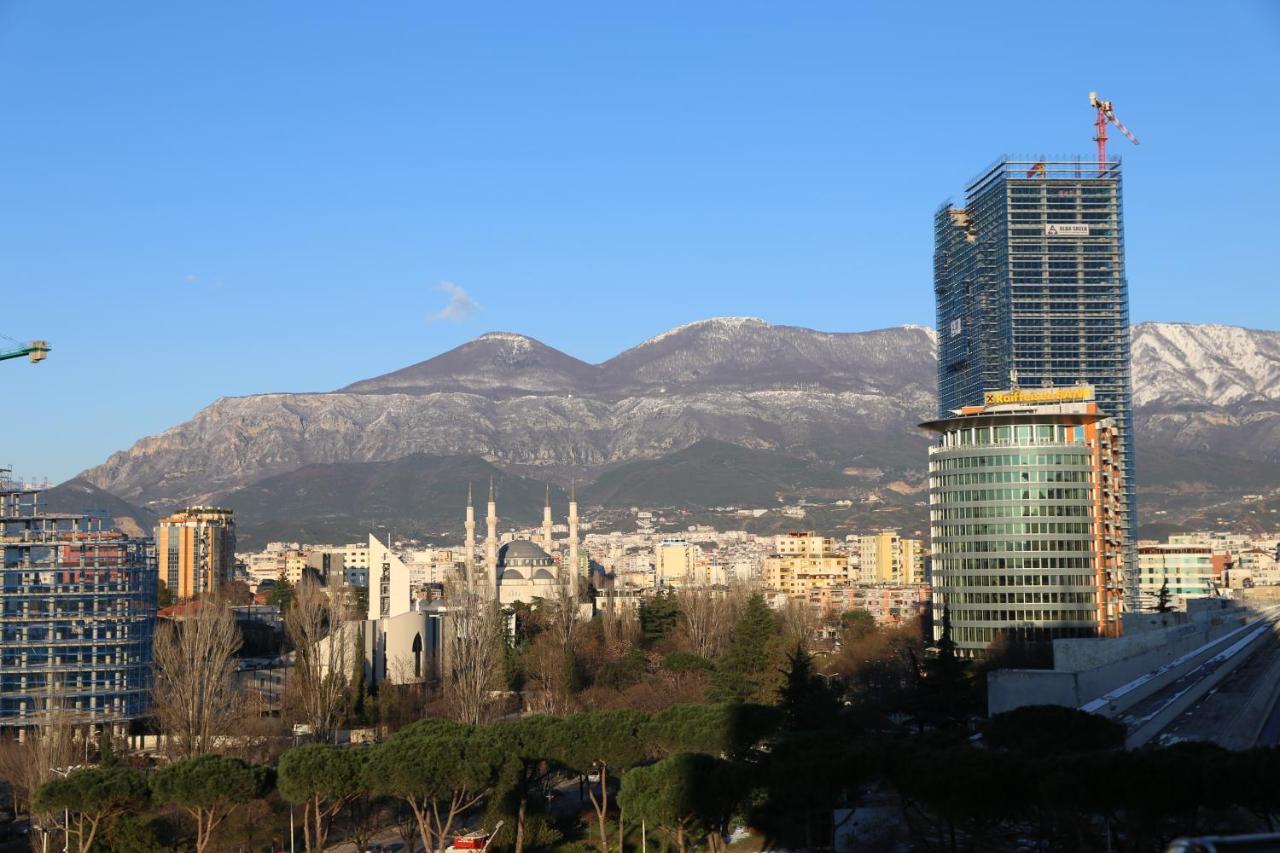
point(969, 572)
point(944, 514)
point(1005, 460)
point(1029, 528)
point(1027, 615)
point(1022, 434)
point(1020, 598)
point(1012, 546)
point(1032, 476)
point(981, 495)
point(979, 638)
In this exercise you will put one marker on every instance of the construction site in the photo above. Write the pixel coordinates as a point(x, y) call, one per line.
point(78, 617)
point(78, 611)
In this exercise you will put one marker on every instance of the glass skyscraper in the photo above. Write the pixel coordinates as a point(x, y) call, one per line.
point(1031, 291)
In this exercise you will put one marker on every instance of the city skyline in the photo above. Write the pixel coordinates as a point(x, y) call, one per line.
point(174, 183)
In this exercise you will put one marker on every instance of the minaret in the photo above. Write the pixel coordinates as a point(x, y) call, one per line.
point(491, 542)
point(470, 553)
point(546, 522)
point(573, 539)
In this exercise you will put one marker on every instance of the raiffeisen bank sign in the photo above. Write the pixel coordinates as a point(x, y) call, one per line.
point(1072, 394)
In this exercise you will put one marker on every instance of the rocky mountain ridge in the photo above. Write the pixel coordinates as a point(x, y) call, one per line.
point(850, 399)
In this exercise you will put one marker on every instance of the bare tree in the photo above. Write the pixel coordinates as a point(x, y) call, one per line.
point(798, 623)
point(322, 638)
point(706, 619)
point(473, 662)
point(620, 625)
point(27, 764)
point(195, 696)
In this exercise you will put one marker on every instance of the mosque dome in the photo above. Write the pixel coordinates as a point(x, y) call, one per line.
point(523, 554)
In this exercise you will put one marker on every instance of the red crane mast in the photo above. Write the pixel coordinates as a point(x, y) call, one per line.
point(1106, 115)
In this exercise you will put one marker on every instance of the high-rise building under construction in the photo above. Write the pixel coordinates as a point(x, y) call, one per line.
point(1031, 291)
point(78, 612)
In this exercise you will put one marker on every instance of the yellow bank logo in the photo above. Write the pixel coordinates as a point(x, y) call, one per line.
point(1072, 394)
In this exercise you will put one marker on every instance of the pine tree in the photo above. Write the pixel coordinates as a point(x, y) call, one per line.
point(742, 670)
point(807, 702)
point(1162, 598)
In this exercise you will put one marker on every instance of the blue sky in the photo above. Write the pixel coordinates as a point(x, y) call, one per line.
point(205, 200)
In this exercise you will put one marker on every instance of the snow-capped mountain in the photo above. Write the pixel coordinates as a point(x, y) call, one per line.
point(1200, 364)
point(853, 399)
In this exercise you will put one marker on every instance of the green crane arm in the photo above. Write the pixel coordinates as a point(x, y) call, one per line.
point(36, 351)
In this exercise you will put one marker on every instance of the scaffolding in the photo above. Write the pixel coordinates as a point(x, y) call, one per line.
point(1030, 285)
point(77, 616)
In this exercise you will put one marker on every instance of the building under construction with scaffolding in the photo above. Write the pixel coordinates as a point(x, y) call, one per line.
point(78, 604)
point(1030, 285)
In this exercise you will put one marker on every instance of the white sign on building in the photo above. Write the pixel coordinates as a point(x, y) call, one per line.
point(1066, 229)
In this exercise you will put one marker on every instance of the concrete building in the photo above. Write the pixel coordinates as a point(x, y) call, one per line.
point(803, 562)
point(1026, 519)
point(196, 550)
point(402, 644)
point(79, 608)
point(1187, 569)
point(1030, 281)
point(329, 564)
point(675, 563)
point(888, 604)
point(886, 557)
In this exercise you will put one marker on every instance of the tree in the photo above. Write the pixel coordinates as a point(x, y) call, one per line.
point(1162, 598)
point(440, 769)
point(691, 796)
point(236, 593)
point(595, 743)
point(705, 617)
point(317, 627)
point(164, 598)
point(659, 617)
point(1053, 730)
point(106, 748)
point(807, 702)
point(281, 594)
point(798, 623)
point(93, 795)
point(26, 765)
point(725, 729)
point(476, 648)
point(856, 624)
point(194, 697)
point(742, 674)
point(325, 779)
point(210, 788)
point(530, 742)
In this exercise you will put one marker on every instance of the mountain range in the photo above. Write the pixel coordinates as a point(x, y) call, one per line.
point(723, 411)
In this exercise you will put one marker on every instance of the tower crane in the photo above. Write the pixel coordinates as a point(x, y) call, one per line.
point(36, 351)
point(1106, 115)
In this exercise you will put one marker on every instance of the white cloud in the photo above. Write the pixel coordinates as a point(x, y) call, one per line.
point(461, 305)
point(191, 278)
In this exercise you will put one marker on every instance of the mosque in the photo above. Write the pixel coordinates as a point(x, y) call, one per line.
point(521, 570)
point(403, 640)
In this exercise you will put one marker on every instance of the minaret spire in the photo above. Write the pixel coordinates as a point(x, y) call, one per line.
point(546, 522)
point(573, 539)
point(469, 555)
point(491, 541)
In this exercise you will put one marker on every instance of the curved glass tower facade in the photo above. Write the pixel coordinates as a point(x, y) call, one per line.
point(1026, 519)
point(78, 613)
